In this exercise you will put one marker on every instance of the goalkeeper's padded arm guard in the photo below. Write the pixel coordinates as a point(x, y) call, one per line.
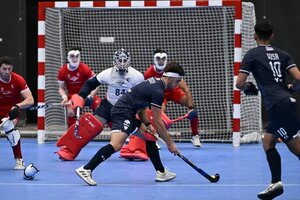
point(251, 89)
point(88, 86)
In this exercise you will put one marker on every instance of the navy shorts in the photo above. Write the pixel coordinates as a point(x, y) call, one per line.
point(283, 119)
point(124, 120)
point(103, 110)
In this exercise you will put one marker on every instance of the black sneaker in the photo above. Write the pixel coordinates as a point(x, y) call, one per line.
point(272, 191)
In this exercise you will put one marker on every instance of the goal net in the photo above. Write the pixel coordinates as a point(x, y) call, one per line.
point(200, 38)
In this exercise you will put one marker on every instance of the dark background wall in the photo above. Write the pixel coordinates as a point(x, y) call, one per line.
point(18, 34)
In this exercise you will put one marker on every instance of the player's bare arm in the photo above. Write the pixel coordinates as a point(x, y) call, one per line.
point(162, 131)
point(189, 99)
point(28, 99)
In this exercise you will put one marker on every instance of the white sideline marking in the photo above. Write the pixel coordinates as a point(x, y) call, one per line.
point(144, 185)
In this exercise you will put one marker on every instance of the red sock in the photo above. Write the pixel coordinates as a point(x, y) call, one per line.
point(194, 126)
point(17, 150)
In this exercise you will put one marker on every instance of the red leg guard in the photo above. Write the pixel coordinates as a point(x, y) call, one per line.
point(136, 149)
point(89, 127)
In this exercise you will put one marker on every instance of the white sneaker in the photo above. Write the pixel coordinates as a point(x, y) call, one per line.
point(158, 146)
point(272, 191)
point(86, 175)
point(196, 141)
point(166, 176)
point(19, 164)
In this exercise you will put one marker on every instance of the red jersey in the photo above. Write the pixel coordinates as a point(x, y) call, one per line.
point(10, 93)
point(74, 80)
point(175, 95)
point(152, 73)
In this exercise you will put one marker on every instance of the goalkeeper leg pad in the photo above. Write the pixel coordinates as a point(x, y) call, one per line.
point(89, 127)
point(136, 149)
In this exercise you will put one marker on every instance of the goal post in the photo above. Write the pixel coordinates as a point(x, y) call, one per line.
point(205, 36)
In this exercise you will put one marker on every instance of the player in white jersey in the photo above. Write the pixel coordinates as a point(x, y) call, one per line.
point(118, 79)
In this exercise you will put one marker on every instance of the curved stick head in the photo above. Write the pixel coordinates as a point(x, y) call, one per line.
point(215, 178)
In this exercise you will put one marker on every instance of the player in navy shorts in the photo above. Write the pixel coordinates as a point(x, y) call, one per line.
point(268, 65)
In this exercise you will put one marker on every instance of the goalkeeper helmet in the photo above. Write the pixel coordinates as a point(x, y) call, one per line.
point(160, 59)
point(29, 172)
point(73, 58)
point(121, 60)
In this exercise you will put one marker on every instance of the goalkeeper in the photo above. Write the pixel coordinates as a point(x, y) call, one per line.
point(15, 94)
point(268, 65)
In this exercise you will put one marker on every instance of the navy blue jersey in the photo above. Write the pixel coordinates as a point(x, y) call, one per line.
point(145, 94)
point(268, 66)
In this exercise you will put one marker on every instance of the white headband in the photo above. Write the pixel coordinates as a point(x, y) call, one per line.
point(172, 74)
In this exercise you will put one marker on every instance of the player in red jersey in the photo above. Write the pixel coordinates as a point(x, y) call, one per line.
point(71, 77)
point(14, 95)
point(179, 95)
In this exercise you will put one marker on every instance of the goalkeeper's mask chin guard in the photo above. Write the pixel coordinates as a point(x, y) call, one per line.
point(30, 171)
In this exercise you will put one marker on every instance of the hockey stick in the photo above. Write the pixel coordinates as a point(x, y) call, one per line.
point(77, 123)
point(45, 106)
point(215, 178)
point(189, 115)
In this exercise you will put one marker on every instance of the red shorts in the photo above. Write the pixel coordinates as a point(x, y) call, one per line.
point(174, 95)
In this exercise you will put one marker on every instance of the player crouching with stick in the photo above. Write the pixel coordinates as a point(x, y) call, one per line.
point(13, 90)
point(124, 122)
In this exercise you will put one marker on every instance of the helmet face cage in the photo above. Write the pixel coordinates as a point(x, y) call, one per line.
point(121, 60)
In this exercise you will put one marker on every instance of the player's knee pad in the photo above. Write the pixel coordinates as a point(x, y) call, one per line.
point(89, 128)
point(13, 136)
point(8, 125)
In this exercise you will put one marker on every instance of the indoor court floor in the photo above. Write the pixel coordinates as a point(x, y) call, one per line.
point(243, 170)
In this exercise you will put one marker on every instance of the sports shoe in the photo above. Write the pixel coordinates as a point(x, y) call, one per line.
point(158, 146)
point(86, 175)
point(196, 141)
point(19, 164)
point(272, 191)
point(166, 176)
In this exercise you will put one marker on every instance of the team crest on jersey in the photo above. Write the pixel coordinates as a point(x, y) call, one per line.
point(74, 78)
point(126, 124)
point(6, 93)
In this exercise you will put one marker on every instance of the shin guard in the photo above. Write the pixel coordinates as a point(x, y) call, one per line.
point(89, 127)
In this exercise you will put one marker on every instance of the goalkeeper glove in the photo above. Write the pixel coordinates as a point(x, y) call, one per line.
point(251, 89)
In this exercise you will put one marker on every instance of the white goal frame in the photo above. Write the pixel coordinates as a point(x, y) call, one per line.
point(146, 3)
